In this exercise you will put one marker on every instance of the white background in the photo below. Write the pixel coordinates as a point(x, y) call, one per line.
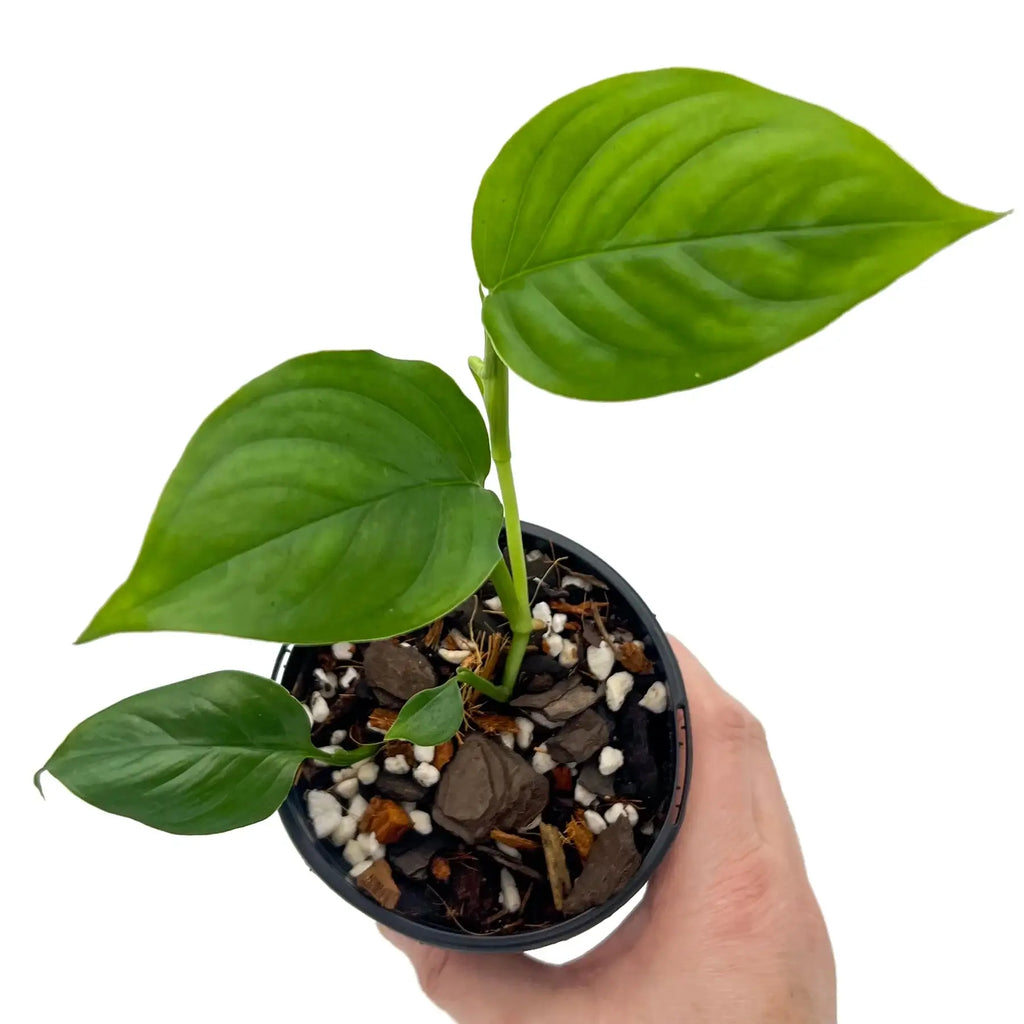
point(194, 192)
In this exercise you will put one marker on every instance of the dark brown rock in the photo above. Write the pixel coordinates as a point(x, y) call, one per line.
point(415, 862)
point(612, 863)
point(591, 778)
point(538, 701)
point(591, 634)
point(580, 738)
point(538, 684)
point(638, 777)
point(577, 700)
point(487, 786)
point(543, 664)
point(403, 788)
point(396, 673)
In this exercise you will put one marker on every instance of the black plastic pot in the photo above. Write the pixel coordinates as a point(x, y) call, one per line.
point(328, 864)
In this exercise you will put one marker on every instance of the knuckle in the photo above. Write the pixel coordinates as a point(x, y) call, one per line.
point(733, 723)
point(744, 892)
point(432, 974)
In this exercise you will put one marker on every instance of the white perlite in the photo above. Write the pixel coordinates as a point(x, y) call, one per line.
point(363, 865)
point(509, 893)
point(553, 644)
point(524, 733)
point(353, 852)
point(600, 660)
point(426, 775)
point(570, 654)
point(345, 831)
point(343, 651)
point(338, 737)
point(453, 657)
point(347, 788)
point(357, 806)
point(655, 699)
point(627, 811)
point(421, 822)
point(583, 796)
point(397, 765)
point(367, 773)
point(508, 740)
point(343, 773)
point(647, 828)
point(617, 688)
point(509, 851)
point(327, 682)
point(558, 621)
point(542, 761)
point(423, 753)
point(610, 761)
point(318, 708)
point(370, 844)
point(595, 822)
point(350, 676)
point(614, 812)
point(494, 603)
point(324, 811)
point(542, 613)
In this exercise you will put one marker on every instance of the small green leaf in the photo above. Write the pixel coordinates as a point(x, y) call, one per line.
point(662, 230)
point(430, 717)
point(339, 495)
point(204, 755)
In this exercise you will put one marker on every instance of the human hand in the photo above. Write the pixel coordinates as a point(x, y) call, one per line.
point(729, 931)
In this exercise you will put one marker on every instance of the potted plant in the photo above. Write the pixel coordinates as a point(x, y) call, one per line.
point(495, 752)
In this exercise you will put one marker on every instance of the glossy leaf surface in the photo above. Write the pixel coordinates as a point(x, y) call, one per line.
point(430, 716)
point(662, 230)
point(339, 495)
point(204, 755)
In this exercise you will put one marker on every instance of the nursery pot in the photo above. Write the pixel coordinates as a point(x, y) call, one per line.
point(325, 860)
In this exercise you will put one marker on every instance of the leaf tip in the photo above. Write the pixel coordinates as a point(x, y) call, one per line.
point(37, 781)
point(116, 616)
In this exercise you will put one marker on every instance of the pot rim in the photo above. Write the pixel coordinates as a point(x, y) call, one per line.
point(324, 861)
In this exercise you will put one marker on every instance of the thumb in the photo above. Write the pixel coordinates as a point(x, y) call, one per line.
point(479, 988)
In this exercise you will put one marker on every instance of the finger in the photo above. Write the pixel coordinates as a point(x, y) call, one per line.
point(478, 987)
point(723, 734)
point(735, 803)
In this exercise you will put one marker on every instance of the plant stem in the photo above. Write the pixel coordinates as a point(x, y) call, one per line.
point(509, 580)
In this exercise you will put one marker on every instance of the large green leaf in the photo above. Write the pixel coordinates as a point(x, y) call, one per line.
point(662, 230)
point(204, 755)
point(338, 496)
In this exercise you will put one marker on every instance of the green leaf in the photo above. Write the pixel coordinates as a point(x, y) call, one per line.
point(204, 755)
point(430, 716)
point(337, 496)
point(662, 230)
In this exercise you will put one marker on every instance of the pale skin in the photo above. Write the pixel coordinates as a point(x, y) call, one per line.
point(729, 931)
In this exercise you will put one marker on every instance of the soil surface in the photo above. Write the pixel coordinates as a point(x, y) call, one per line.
point(538, 809)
